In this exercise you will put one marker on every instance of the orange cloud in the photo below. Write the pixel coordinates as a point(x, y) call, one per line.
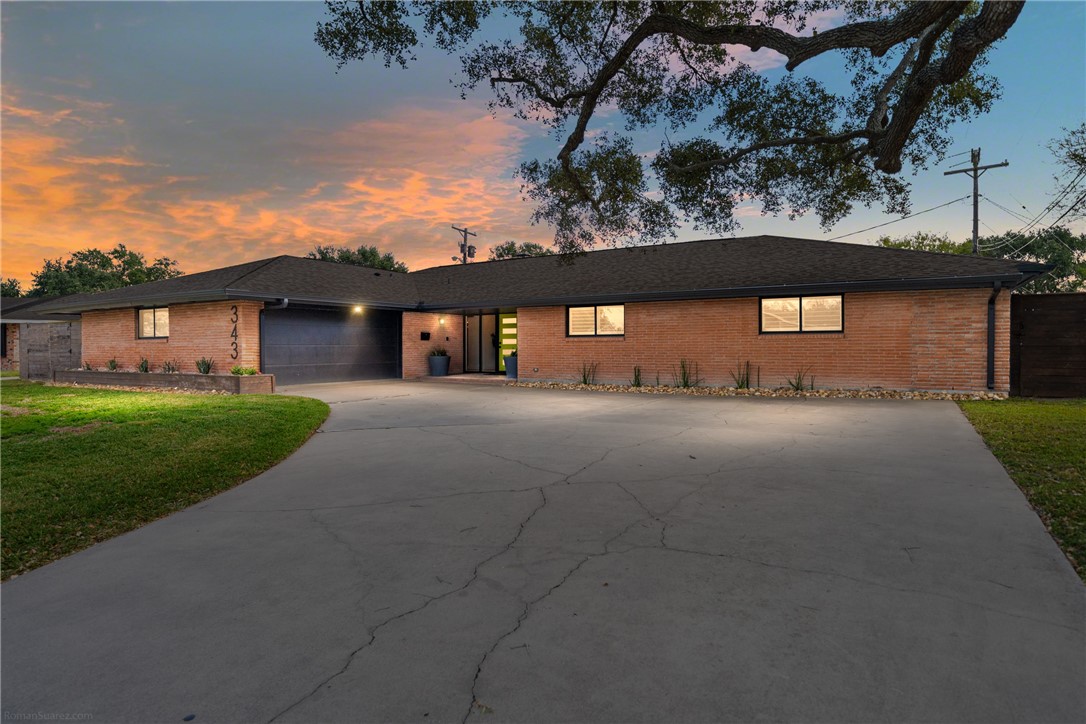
point(398, 181)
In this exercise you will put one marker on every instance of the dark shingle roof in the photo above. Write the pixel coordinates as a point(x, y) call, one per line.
point(26, 309)
point(759, 265)
point(268, 279)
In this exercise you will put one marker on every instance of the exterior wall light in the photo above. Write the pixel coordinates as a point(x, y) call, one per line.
point(358, 309)
point(441, 320)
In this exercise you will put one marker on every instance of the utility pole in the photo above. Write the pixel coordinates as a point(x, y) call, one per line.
point(467, 251)
point(976, 172)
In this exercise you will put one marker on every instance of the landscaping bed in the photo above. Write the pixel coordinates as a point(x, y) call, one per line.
point(1042, 445)
point(234, 384)
point(764, 391)
point(81, 465)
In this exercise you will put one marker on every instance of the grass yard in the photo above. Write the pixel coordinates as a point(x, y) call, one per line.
point(9, 373)
point(1042, 444)
point(81, 465)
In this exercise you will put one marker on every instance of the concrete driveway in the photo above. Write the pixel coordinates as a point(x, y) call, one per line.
point(444, 552)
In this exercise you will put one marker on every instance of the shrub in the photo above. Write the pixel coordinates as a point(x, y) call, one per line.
point(112, 365)
point(171, 367)
point(687, 376)
point(438, 351)
point(588, 372)
point(636, 381)
point(144, 365)
point(205, 365)
point(803, 380)
point(239, 370)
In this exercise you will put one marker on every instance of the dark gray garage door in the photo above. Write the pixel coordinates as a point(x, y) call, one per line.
point(329, 345)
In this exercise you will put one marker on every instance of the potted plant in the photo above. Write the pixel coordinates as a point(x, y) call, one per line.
point(511, 365)
point(439, 361)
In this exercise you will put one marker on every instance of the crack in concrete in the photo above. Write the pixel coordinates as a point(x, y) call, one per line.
point(374, 631)
point(378, 503)
point(473, 448)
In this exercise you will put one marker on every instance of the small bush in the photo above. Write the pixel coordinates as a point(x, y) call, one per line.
point(112, 365)
point(588, 372)
point(438, 351)
point(239, 370)
point(803, 380)
point(171, 367)
point(205, 365)
point(687, 375)
point(144, 365)
point(636, 381)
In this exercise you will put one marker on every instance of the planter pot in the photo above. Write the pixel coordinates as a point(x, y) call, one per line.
point(510, 367)
point(235, 384)
point(439, 366)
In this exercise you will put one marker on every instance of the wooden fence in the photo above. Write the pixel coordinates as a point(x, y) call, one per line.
point(1048, 345)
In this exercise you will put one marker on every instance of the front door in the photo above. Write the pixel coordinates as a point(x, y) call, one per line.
point(481, 343)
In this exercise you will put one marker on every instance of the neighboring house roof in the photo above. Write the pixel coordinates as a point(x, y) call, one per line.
point(715, 268)
point(25, 309)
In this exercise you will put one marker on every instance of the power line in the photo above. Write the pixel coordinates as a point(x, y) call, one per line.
point(975, 172)
point(879, 226)
point(998, 205)
point(1068, 189)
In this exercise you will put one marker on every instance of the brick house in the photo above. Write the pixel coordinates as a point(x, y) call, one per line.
point(853, 316)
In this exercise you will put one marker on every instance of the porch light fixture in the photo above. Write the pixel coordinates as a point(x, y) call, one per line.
point(441, 320)
point(358, 309)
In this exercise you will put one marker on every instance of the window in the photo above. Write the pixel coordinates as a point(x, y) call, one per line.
point(803, 314)
point(597, 321)
point(152, 323)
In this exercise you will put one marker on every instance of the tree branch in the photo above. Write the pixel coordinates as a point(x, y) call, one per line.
point(812, 140)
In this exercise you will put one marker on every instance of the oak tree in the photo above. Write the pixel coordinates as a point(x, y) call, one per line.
point(794, 142)
point(94, 270)
point(511, 250)
point(368, 256)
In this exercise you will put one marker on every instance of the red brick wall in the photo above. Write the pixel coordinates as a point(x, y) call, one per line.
point(415, 350)
point(11, 360)
point(932, 340)
point(196, 330)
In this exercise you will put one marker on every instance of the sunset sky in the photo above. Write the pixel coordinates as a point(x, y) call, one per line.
point(217, 133)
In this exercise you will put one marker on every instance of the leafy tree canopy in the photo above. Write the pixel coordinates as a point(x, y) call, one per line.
point(93, 270)
point(367, 256)
point(796, 144)
point(11, 287)
point(1057, 246)
point(926, 241)
point(512, 249)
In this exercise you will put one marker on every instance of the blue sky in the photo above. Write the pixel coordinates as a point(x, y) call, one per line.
point(216, 133)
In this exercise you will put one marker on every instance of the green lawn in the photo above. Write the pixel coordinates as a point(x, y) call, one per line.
point(1042, 444)
point(9, 373)
point(81, 465)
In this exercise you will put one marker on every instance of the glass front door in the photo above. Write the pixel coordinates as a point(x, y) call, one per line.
point(481, 343)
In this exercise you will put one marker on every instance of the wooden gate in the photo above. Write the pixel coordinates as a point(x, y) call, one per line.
point(48, 347)
point(1048, 345)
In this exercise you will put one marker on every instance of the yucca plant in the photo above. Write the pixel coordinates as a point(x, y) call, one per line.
point(636, 381)
point(588, 373)
point(112, 365)
point(687, 375)
point(205, 365)
point(803, 380)
point(144, 365)
point(171, 367)
point(741, 376)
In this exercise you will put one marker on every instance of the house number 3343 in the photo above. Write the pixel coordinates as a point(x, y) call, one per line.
point(234, 331)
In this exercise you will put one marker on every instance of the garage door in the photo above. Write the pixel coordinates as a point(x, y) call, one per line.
point(329, 345)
